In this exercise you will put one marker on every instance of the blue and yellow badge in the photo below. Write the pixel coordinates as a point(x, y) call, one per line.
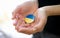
point(29, 18)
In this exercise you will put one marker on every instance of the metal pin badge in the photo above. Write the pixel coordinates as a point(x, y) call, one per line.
point(29, 18)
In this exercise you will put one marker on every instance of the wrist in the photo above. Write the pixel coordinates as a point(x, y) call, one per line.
point(46, 10)
point(43, 11)
point(52, 10)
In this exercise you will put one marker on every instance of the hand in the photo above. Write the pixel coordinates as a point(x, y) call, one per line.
point(36, 26)
point(25, 8)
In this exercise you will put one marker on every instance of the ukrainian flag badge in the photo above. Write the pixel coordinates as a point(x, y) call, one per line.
point(29, 18)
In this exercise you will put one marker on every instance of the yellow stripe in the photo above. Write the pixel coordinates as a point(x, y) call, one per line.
point(27, 20)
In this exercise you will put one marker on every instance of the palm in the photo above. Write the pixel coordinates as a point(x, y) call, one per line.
point(20, 13)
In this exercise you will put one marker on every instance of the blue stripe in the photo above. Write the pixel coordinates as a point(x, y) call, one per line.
point(31, 16)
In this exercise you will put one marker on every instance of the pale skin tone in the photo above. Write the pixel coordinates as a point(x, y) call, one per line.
point(41, 16)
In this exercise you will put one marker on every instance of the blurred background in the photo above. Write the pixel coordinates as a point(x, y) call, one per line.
point(7, 29)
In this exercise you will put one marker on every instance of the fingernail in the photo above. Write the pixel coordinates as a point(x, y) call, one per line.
point(14, 22)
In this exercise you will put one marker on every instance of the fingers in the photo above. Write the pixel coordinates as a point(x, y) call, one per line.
point(18, 20)
point(24, 9)
point(26, 30)
point(17, 11)
point(40, 21)
point(15, 22)
point(41, 24)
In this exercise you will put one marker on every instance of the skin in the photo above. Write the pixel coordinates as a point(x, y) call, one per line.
point(41, 14)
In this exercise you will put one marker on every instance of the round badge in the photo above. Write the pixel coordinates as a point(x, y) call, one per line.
point(29, 18)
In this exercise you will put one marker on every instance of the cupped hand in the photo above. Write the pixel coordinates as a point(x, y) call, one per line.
point(25, 9)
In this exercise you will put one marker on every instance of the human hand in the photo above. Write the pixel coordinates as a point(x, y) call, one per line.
point(25, 8)
point(36, 26)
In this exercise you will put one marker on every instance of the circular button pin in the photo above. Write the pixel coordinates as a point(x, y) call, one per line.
point(29, 18)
